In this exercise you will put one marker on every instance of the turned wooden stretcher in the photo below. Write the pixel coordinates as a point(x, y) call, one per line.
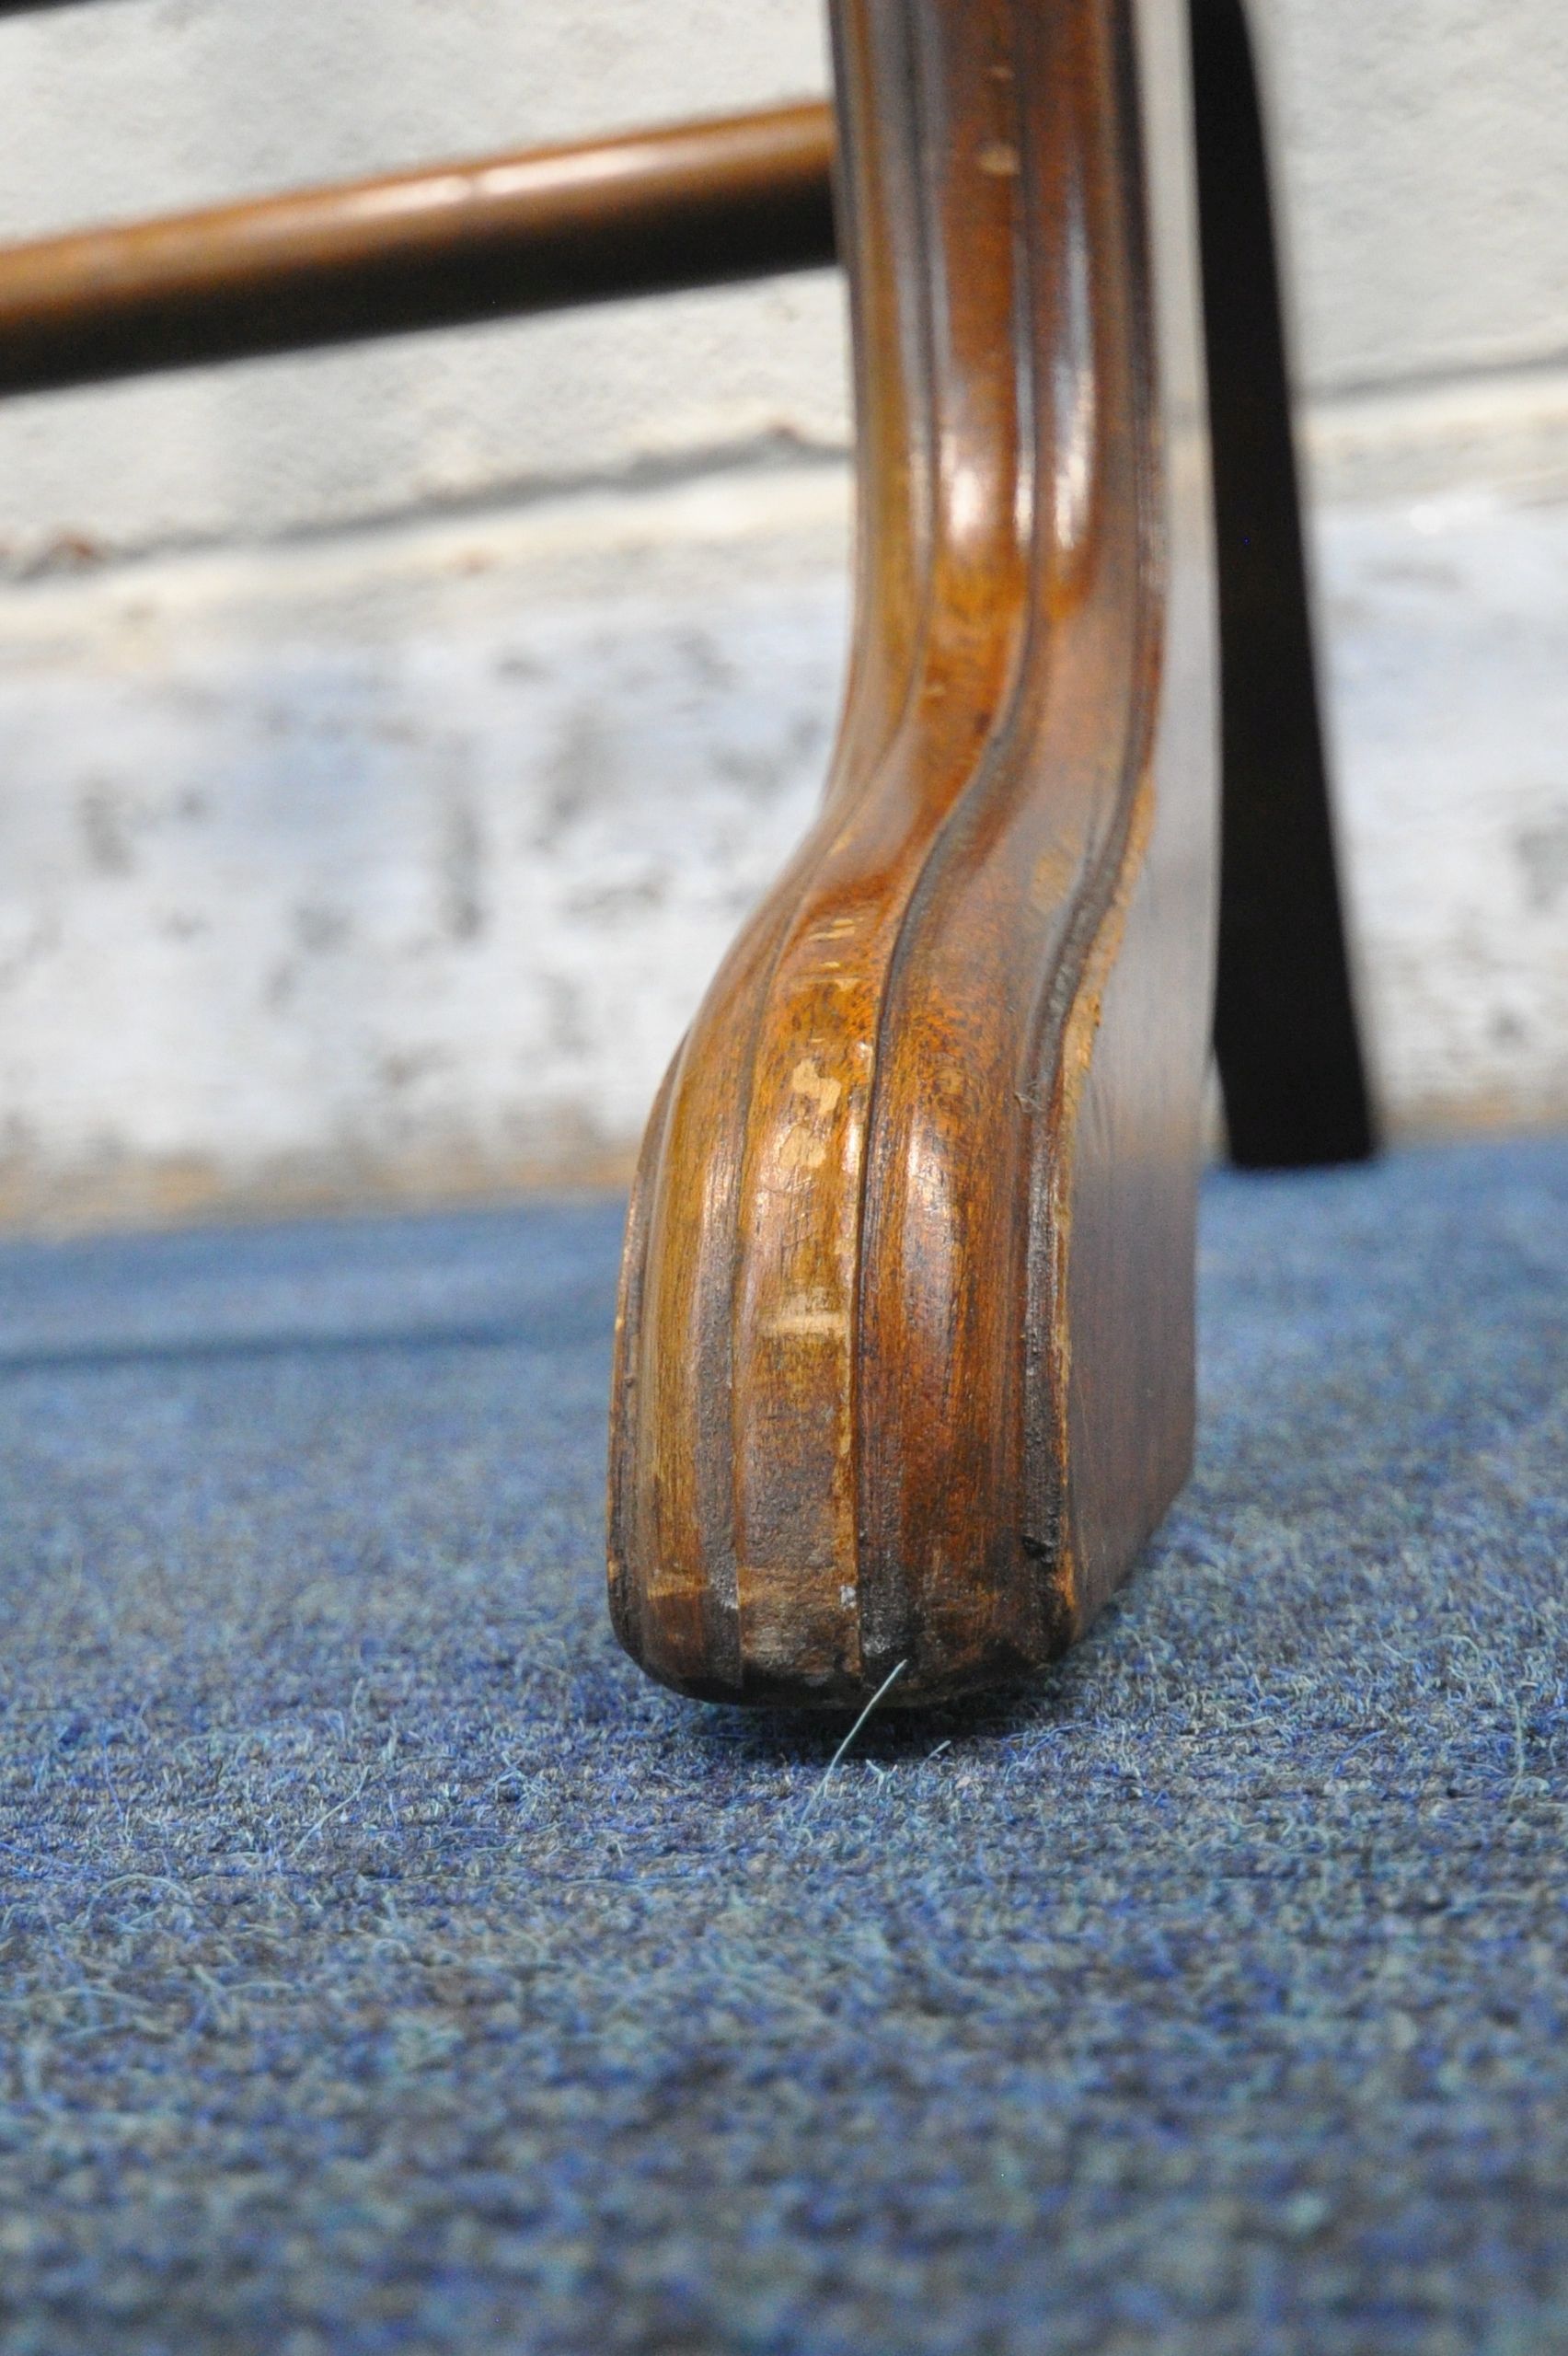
point(904, 1373)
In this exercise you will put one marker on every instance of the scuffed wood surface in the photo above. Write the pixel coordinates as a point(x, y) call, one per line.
point(904, 1371)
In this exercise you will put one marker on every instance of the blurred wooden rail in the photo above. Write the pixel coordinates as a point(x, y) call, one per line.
point(696, 204)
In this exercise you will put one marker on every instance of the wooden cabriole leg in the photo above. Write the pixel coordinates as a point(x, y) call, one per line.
point(904, 1363)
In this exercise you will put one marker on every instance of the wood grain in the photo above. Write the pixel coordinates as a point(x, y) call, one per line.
point(904, 1360)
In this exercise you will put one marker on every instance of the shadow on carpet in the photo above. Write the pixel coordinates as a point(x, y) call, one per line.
point(385, 1966)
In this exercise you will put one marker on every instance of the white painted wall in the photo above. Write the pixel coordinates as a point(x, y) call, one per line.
point(394, 869)
point(390, 739)
point(120, 107)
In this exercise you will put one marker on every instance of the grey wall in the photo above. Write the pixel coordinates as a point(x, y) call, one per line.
point(1421, 141)
point(118, 107)
point(389, 739)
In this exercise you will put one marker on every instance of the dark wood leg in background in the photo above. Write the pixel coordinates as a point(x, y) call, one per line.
point(1286, 1033)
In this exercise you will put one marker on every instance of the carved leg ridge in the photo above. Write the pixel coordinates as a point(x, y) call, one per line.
point(903, 1376)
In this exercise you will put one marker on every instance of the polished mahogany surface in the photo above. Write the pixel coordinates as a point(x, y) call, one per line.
point(904, 1373)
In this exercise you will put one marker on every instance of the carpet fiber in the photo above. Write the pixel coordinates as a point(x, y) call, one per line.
point(386, 1965)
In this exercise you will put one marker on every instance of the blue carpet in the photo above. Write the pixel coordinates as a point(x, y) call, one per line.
point(385, 1966)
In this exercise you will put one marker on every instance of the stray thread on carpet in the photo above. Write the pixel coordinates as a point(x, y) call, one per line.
point(386, 1965)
